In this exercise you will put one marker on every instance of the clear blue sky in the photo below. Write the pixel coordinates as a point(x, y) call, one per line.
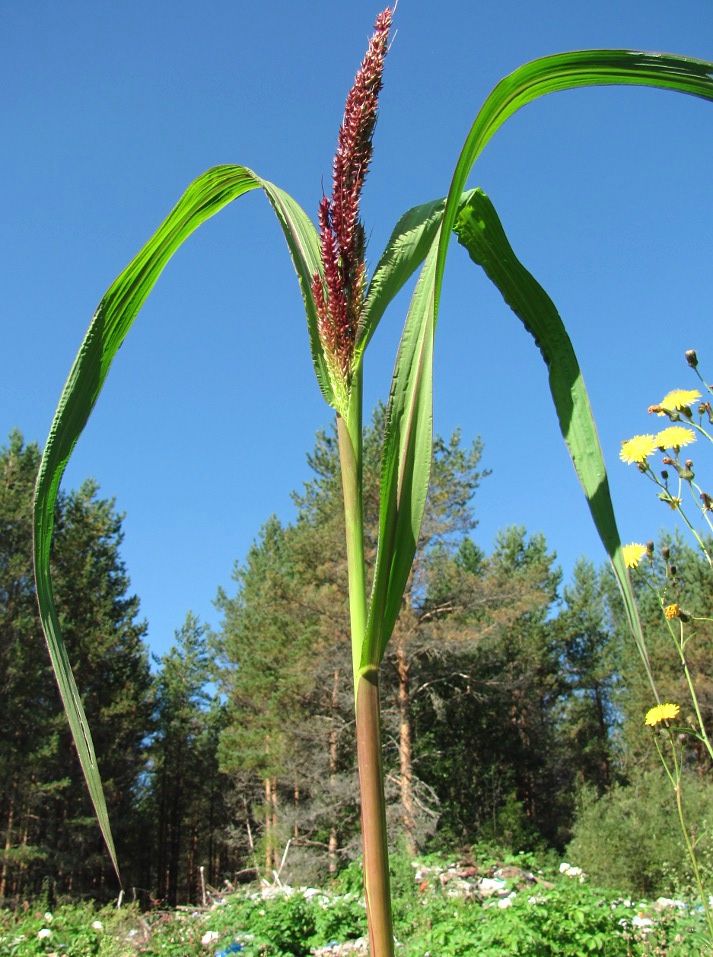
point(110, 109)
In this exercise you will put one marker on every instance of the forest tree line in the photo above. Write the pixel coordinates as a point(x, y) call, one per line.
point(513, 702)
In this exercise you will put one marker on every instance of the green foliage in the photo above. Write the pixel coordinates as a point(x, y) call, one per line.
point(630, 838)
point(556, 917)
point(46, 817)
point(184, 800)
point(73, 930)
point(592, 672)
point(489, 724)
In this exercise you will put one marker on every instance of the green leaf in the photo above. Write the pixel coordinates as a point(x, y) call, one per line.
point(303, 243)
point(567, 71)
point(406, 464)
point(408, 245)
point(115, 315)
point(479, 230)
point(408, 444)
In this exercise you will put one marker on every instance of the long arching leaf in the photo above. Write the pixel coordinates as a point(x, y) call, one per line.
point(567, 71)
point(408, 245)
point(480, 231)
point(115, 315)
point(549, 75)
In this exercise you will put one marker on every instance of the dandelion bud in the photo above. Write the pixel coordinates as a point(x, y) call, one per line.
point(672, 571)
point(665, 553)
point(664, 475)
point(667, 460)
point(685, 473)
point(707, 501)
point(691, 358)
point(650, 549)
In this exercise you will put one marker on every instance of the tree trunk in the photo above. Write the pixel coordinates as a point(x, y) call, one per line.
point(268, 825)
point(275, 855)
point(406, 751)
point(8, 845)
point(296, 799)
point(333, 758)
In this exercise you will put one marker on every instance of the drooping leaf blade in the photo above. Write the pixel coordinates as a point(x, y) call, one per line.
point(552, 74)
point(303, 243)
point(566, 71)
point(480, 231)
point(115, 315)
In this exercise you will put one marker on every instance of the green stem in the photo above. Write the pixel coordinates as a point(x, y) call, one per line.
point(680, 644)
point(703, 736)
point(350, 460)
point(366, 688)
point(692, 855)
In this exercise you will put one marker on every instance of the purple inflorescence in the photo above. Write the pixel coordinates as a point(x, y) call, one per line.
point(339, 293)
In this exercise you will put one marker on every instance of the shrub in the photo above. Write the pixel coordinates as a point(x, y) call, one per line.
point(630, 838)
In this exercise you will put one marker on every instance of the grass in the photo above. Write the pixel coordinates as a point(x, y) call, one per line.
point(439, 909)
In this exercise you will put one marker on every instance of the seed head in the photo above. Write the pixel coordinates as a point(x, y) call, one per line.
point(339, 293)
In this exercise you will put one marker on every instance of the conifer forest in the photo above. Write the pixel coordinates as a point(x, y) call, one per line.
point(512, 701)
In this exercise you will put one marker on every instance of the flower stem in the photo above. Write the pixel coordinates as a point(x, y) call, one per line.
point(366, 688)
point(692, 855)
point(349, 435)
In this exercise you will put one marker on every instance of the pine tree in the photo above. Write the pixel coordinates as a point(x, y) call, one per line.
point(588, 644)
point(285, 647)
point(48, 823)
point(487, 719)
point(185, 795)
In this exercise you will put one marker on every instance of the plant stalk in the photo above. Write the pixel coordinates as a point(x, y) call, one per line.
point(377, 889)
point(366, 688)
point(692, 853)
point(350, 461)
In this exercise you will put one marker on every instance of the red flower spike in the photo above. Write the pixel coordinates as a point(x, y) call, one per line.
point(339, 293)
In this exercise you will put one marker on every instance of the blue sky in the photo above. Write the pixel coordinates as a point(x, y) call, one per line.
point(110, 110)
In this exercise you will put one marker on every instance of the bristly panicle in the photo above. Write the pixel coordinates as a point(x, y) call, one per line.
point(339, 293)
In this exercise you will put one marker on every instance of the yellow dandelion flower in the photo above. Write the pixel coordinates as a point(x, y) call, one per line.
point(638, 449)
point(633, 554)
point(674, 437)
point(678, 399)
point(671, 611)
point(662, 712)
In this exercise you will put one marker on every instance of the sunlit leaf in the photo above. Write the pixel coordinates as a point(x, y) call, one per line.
point(406, 464)
point(114, 317)
point(479, 230)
